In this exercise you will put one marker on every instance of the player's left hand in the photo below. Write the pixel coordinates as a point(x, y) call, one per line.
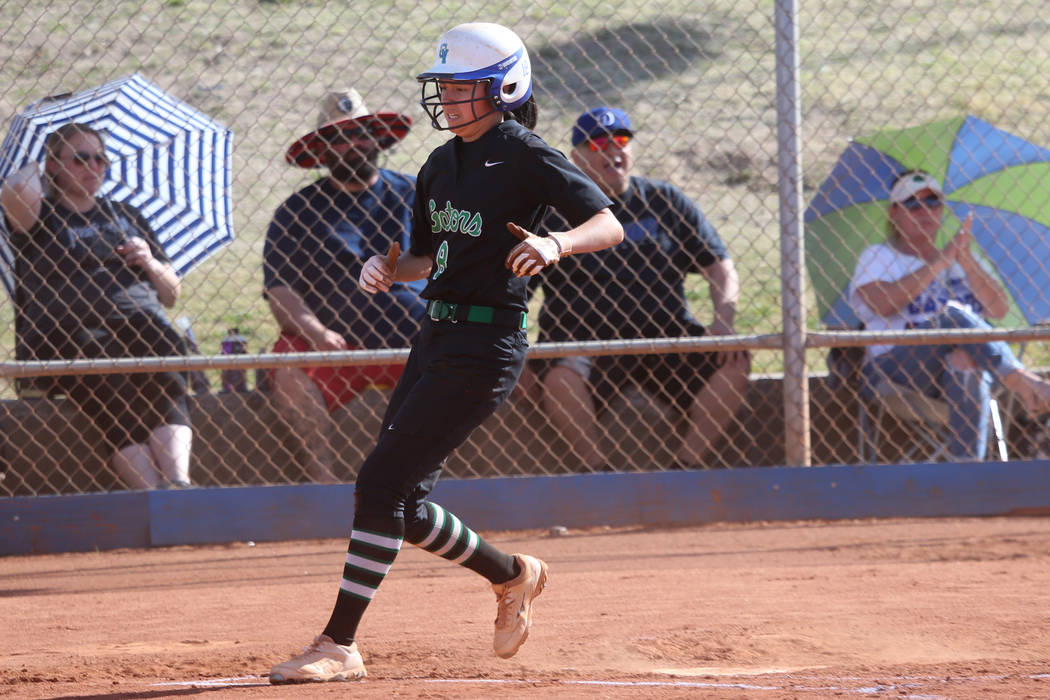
point(533, 253)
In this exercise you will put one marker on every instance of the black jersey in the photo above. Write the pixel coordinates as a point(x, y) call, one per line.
point(69, 271)
point(465, 195)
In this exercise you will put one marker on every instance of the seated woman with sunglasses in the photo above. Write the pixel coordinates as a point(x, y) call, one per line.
point(91, 280)
point(908, 282)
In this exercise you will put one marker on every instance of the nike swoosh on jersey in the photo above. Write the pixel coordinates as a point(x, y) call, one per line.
point(490, 163)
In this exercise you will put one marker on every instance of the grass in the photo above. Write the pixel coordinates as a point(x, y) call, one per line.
point(697, 77)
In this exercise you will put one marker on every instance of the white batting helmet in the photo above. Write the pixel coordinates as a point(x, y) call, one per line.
point(476, 52)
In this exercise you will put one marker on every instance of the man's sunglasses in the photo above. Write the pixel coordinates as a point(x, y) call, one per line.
point(600, 143)
point(930, 201)
point(367, 132)
point(84, 158)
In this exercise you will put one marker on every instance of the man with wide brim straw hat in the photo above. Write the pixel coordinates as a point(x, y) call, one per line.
point(315, 246)
point(344, 114)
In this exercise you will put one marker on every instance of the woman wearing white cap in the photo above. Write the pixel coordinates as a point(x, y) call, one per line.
point(908, 282)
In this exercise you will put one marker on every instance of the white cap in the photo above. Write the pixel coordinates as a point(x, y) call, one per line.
point(912, 183)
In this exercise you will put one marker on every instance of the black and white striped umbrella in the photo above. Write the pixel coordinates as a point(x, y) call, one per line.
point(167, 159)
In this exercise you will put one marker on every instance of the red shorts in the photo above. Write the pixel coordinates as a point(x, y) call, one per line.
point(340, 385)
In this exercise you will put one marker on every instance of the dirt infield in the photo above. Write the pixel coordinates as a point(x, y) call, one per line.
point(955, 608)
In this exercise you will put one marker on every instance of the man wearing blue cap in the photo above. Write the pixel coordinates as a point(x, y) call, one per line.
point(637, 290)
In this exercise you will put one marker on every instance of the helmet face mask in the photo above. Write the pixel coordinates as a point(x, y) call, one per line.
point(478, 53)
point(434, 104)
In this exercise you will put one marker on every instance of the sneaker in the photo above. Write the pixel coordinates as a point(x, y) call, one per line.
point(323, 660)
point(514, 598)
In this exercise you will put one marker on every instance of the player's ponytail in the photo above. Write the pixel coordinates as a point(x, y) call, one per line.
point(527, 114)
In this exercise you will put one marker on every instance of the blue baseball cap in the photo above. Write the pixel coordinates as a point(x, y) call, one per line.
point(600, 121)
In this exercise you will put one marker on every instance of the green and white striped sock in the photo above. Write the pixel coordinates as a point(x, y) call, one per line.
point(448, 538)
point(368, 560)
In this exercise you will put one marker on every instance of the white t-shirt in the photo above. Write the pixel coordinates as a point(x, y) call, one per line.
point(884, 263)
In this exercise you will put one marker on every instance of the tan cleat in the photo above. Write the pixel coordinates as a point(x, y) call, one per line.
point(323, 660)
point(514, 598)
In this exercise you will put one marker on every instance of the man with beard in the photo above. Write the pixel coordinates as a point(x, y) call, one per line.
point(315, 246)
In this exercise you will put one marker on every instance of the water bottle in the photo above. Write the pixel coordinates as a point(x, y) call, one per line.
point(234, 344)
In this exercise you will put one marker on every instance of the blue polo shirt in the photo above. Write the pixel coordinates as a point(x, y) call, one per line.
point(635, 289)
point(319, 239)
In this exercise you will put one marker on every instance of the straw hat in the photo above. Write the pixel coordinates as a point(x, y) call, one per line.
point(344, 109)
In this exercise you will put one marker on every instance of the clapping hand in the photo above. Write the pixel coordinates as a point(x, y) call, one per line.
point(958, 247)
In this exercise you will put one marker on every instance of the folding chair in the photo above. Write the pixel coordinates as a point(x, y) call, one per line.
point(924, 417)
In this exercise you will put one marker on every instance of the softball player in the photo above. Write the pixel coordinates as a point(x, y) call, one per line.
point(478, 197)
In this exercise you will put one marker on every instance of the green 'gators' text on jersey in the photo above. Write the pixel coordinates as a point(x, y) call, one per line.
point(465, 195)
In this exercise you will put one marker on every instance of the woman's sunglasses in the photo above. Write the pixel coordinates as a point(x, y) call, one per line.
point(85, 158)
point(930, 201)
point(600, 143)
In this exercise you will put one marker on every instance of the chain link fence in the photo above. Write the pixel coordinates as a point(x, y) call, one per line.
point(699, 83)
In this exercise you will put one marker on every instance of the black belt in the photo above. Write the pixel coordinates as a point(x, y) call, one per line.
point(445, 311)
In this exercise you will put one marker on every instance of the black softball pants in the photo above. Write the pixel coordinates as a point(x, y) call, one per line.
point(456, 376)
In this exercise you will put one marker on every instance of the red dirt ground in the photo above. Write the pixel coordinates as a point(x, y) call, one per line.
point(954, 608)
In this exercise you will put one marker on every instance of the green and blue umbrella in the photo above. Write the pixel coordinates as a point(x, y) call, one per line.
point(1001, 178)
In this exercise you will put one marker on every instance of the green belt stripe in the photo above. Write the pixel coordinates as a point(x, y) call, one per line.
point(476, 314)
point(480, 314)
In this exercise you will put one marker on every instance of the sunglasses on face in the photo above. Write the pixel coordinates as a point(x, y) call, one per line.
point(86, 158)
point(930, 201)
point(600, 143)
point(368, 132)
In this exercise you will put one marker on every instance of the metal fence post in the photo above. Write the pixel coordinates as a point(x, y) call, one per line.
point(792, 252)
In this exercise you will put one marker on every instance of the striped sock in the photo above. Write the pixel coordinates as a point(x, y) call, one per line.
point(368, 559)
point(448, 537)
point(445, 535)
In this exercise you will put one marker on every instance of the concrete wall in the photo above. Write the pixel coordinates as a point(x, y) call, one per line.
point(49, 448)
point(266, 513)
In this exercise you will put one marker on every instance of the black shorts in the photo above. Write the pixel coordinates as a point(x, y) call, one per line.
point(675, 378)
point(127, 408)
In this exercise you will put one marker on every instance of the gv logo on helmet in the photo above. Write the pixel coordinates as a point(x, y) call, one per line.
point(346, 105)
point(443, 52)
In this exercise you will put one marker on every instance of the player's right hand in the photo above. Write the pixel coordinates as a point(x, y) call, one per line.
point(377, 274)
